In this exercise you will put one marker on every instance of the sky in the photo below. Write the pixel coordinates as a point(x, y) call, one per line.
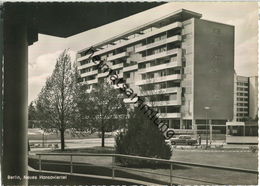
point(242, 15)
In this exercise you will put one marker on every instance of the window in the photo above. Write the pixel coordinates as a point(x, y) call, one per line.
point(163, 37)
point(142, 65)
point(162, 109)
point(163, 73)
point(171, 71)
point(173, 109)
point(163, 85)
point(173, 84)
point(150, 76)
point(127, 75)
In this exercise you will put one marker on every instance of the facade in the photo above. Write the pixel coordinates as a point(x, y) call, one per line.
point(253, 97)
point(241, 98)
point(245, 98)
point(179, 64)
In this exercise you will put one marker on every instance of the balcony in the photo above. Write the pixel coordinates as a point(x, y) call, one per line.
point(129, 100)
point(159, 79)
point(161, 91)
point(93, 81)
point(104, 74)
point(161, 67)
point(117, 56)
point(120, 65)
point(89, 73)
point(141, 37)
point(169, 115)
point(158, 43)
point(160, 55)
point(130, 68)
point(165, 103)
point(83, 58)
point(86, 65)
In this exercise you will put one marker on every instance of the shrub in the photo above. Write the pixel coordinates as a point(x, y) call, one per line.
point(142, 138)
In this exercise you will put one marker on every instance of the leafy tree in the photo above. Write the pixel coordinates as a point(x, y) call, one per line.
point(55, 105)
point(31, 115)
point(102, 109)
point(142, 138)
point(84, 112)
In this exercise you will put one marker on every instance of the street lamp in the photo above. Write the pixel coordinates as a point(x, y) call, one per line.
point(207, 109)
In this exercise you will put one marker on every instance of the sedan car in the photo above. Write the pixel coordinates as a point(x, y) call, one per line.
point(184, 140)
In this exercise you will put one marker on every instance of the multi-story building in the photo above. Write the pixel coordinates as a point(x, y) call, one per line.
point(253, 97)
point(241, 98)
point(245, 98)
point(181, 63)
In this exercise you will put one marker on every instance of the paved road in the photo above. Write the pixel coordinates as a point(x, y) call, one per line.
point(110, 142)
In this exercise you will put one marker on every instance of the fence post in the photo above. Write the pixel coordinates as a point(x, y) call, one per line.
point(40, 163)
point(71, 168)
point(113, 166)
point(171, 174)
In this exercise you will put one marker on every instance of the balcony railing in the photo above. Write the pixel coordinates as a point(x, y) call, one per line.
point(141, 37)
point(160, 55)
point(159, 79)
point(161, 91)
point(83, 57)
point(104, 74)
point(92, 81)
point(164, 103)
point(171, 64)
point(130, 68)
point(120, 65)
point(86, 65)
point(158, 43)
point(169, 115)
point(89, 73)
point(117, 56)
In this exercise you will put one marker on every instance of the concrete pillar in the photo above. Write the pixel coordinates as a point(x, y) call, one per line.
point(181, 124)
point(15, 144)
point(194, 128)
point(170, 123)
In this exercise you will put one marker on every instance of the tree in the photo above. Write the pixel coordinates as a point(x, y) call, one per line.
point(55, 105)
point(106, 109)
point(31, 115)
point(142, 138)
point(84, 119)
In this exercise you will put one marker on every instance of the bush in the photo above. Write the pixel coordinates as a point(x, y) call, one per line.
point(142, 138)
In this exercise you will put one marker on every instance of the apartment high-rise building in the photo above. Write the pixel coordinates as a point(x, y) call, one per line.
point(180, 63)
point(245, 98)
point(241, 98)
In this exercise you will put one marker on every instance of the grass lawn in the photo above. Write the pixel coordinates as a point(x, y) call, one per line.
point(245, 160)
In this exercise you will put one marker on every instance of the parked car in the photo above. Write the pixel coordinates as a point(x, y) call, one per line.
point(184, 140)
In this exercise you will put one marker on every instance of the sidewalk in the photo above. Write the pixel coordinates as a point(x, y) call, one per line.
point(216, 145)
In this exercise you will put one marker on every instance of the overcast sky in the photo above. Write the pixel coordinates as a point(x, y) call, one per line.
point(243, 15)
